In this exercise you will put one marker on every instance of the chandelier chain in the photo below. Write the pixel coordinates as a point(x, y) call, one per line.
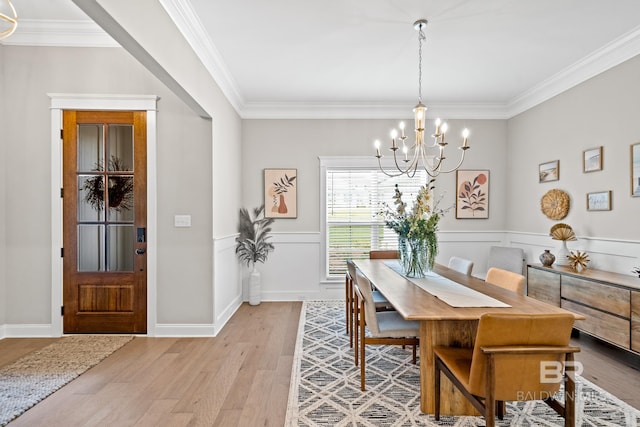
point(421, 37)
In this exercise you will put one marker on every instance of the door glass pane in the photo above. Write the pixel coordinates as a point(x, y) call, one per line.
point(120, 148)
point(90, 148)
point(120, 255)
point(90, 198)
point(120, 198)
point(90, 248)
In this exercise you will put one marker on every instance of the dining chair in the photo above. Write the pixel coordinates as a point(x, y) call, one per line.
point(506, 279)
point(507, 258)
point(510, 361)
point(380, 301)
point(461, 265)
point(385, 327)
point(384, 254)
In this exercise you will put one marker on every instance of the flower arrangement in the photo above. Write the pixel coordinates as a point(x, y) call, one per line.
point(416, 228)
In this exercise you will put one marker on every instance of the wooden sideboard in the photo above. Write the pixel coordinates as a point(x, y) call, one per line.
point(610, 301)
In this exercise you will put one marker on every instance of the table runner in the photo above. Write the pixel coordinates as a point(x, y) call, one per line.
point(450, 292)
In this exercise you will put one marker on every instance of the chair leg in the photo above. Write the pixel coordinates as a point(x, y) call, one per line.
point(362, 352)
point(347, 299)
point(500, 408)
point(436, 394)
point(414, 354)
point(569, 396)
point(355, 329)
point(490, 402)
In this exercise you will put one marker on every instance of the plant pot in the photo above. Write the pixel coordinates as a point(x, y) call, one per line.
point(255, 287)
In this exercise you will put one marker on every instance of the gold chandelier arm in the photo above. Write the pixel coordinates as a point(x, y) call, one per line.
point(11, 20)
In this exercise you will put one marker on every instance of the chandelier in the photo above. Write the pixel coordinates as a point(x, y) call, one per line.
point(431, 156)
point(12, 20)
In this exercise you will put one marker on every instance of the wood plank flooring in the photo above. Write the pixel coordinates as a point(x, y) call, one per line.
point(239, 378)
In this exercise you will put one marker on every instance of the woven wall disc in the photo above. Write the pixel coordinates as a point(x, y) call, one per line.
point(555, 204)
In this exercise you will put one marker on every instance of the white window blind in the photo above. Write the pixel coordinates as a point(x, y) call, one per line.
point(354, 198)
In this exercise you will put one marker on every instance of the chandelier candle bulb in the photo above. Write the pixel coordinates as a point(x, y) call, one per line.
point(377, 145)
point(465, 135)
point(394, 135)
point(401, 125)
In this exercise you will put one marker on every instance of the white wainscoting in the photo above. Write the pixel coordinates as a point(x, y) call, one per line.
point(292, 272)
point(227, 290)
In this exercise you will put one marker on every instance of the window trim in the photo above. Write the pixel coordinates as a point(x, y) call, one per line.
point(339, 163)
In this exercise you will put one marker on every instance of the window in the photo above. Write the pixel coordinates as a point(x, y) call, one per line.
point(353, 196)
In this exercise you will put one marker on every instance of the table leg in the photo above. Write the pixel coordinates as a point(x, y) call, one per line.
point(433, 333)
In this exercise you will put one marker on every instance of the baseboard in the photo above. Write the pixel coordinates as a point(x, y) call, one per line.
point(26, 331)
point(226, 314)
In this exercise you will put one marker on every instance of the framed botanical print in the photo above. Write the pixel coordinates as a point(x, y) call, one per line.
point(472, 194)
point(280, 193)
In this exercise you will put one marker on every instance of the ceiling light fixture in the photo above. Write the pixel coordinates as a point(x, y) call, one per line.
point(12, 20)
point(419, 151)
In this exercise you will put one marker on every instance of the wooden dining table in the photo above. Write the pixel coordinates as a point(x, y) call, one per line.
point(444, 325)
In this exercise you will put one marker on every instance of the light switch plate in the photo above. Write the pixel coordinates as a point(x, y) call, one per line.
point(182, 221)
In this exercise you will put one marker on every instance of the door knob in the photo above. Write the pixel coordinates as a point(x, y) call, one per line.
point(139, 251)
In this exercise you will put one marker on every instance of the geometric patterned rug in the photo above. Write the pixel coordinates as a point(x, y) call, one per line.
point(325, 386)
point(36, 375)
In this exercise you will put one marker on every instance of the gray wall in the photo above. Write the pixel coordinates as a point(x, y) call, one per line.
point(3, 202)
point(184, 179)
point(603, 111)
point(299, 143)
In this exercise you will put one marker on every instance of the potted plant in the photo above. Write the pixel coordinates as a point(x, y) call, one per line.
point(253, 246)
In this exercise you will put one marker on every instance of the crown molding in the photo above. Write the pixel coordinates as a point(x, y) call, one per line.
point(36, 32)
point(182, 14)
point(614, 53)
point(89, 34)
point(368, 110)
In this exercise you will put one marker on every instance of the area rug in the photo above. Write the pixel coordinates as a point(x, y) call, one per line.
point(33, 377)
point(325, 386)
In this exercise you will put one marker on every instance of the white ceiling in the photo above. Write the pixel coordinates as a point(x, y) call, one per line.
point(482, 58)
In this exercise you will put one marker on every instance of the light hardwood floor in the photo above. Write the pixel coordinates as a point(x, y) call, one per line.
point(239, 378)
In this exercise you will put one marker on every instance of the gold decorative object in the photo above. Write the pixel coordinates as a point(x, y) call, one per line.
point(555, 204)
point(562, 231)
point(578, 260)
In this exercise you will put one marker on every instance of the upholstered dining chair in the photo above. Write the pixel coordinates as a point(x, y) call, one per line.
point(506, 279)
point(385, 327)
point(380, 301)
point(507, 363)
point(507, 258)
point(461, 265)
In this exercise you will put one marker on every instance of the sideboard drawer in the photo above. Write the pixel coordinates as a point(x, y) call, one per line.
point(635, 321)
point(543, 286)
point(597, 295)
point(606, 326)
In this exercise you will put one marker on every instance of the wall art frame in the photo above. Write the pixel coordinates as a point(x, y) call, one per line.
point(635, 169)
point(599, 201)
point(549, 171)
point(592, 160)
point(280, 193)
point(472, 194)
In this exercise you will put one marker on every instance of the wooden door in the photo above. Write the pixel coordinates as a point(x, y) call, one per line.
point(104, 222)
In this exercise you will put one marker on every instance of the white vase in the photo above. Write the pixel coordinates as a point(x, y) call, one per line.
point(255, 287)
point(561, 257)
